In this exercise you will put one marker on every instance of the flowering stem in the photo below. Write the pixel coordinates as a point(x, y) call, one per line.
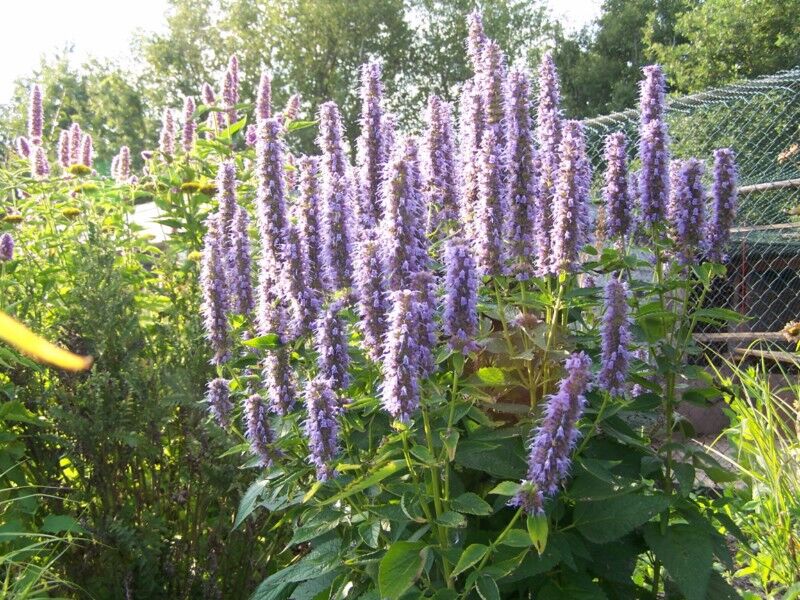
point(437, 498)
point(497, 541)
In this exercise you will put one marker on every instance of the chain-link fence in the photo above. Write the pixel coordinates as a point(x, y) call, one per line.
point(760, 120)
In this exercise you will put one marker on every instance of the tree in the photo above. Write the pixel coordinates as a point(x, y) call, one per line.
point(724, 40)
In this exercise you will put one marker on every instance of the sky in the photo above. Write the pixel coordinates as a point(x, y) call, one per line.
point(103, 29)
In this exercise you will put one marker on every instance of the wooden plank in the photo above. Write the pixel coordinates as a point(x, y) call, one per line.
point(772, 185)
point(786, 357)
point(738, 336)
point(773, 227)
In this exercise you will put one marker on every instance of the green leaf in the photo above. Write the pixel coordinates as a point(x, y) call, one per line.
point(606, 520)
point(504, 458)
point(450, 441)
point(376, 476)
point(491, 376)
point(370, 532)
point(537, 529)
point(423, 454)
point(452, 519)
point(263, 342)
point(312, 530)
point(60, 524)
point(248, 502)
point(321, 560)
point(471, 555)
point(399, 568)
point(517, 538)
point(471, 504)
point(487, 588)
point(686, 553)
point(506, 488)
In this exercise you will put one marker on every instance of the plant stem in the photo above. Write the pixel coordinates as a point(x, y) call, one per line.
point(437, 499)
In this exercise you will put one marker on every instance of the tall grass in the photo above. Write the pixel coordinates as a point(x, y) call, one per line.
point(764, 406)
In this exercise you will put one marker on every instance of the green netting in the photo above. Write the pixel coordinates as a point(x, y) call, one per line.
point(760, 120)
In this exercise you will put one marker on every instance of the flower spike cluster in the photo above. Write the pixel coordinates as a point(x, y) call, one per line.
point(215, 292)
point(219, 402)
point(309, 217)
point(321, 426)
point(461, 297)
point(615, 336)
point(240, 264)
point(687, 204)
point(439, 165)
point(617, 206)
point(277, 372)
point(331, 340)
point(35, 116)
point(371, 154)
point(372, 296)
point(554, 439)
point(166, 141)
point(189, 126)
point(723, 204)
point(400, 387)
point(258, 431)
point(653, 148)
point(6, 247)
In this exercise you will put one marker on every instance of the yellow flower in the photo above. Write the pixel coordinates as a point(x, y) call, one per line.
point(13, 218)
point(71, 212)
point(190, 187)
point(79, 170)
point(209, 189)
point(24, 340)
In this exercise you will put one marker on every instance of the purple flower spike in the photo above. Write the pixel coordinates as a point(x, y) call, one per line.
point(240, 264)
point(372, 296)
point(6, 247)
point(723, 204)
point(264, 97)
point(277, 372)
point(215, 293)
point(554, 439)
point(322, 429)
point(309, 218)
point(618, 217)
point(75, 140)
point(427, 334)
point(388, 133)
point(331, 343)
point(271, 192)
point(687, 208)
point(523, 177)
point(258, 431)
point(304, 301)
point(40, 168)
point(400, 388)
point(122, 173)
point(461, 297)
point(226, 196)
point(476, 39)
point(230, 89)
point(470, 128)
point(653, 147)
point(371, 154)
point(23, 146)
point(493, 89)
point(189, 126)
point(652, 97)
point(64, 148)
point(571, 210)
point(491, 206)
point(214, 121)
point(219, 401)
point(292, 109)
point(615, 335)
point(403, 227)
point(87, 153)
point(337, 194)
point(251, 135)
point(35, 116)
point(166, 140)
point(549, 125)
point(439, 165)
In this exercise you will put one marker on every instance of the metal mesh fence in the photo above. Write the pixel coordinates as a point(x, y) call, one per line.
point(760, 120)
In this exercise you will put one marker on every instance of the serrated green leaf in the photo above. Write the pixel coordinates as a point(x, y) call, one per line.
point(506, 488)
point(487, 588)
point(263, 342)
point(491, 376)
point(686, 553)
point(471, 555)
point(248, 501)
point(369, 480)
point(399, 568)
point(602, 521)
point(471, 504)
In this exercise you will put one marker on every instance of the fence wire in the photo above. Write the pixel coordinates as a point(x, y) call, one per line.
point(760, 120)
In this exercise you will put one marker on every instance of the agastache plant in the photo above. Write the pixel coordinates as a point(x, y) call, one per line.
point(554, 439)
point(460, 316)
point(687, 204)
point(230, 90)
point(35, 116)
point(87, 153)
point(22, 146)
point(189, 125)
point(122, 170)
point(303, 299)
point(321, 426)
point(40, 167)
point(523, 177)
point(64, 149)
point(271, 197)
point(370, 281)
point(403, 227)
point(571, 210)
point(214, 120)
point(258, 431)
point(331, 340)
point(476, 39)
point(337, 200)
point(166, 140)
point(6, 247)
point(278, 376)
point(488, 226)
point(239, 265)
point(400, 386)
point(653, 148)
point(219, 402)
point(309, 217)
point(226, 196)
point(439, 165)
point(75, 141)
point(371, 150)
point(424, 284)
point(264, 97)
point(617, 205)
point(215, 292)
point(723, 204)
point(470, 130)
point(615, 336)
